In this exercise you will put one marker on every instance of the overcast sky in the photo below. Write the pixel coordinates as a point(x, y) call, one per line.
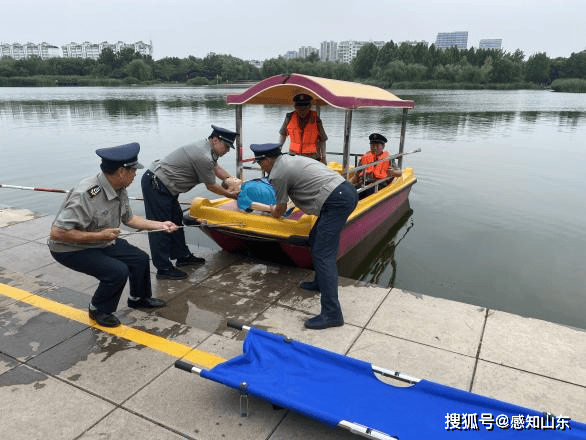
point(261, 29)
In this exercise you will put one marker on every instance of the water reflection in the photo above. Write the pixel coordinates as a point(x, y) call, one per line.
point(379, 266)
point(454, 122)
point(444, 121)
point(123, 107)
point(147, 108)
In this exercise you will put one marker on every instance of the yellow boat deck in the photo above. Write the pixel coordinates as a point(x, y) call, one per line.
point(225, 212)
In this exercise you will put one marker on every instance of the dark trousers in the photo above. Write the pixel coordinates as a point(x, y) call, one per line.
point(112, 265)
point(161, 205)
point(324, 241)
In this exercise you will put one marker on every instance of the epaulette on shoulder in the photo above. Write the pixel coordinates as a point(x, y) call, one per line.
point(94, 191)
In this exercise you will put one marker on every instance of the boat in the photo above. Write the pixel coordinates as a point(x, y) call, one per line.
point(287, 238)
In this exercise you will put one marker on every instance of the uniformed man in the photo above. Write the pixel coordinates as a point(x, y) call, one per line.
point(320, 191)
point(177, 173)
point(305, 130)
point(84, 235)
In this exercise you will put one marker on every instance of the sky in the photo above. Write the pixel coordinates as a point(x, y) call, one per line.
point(262, 29)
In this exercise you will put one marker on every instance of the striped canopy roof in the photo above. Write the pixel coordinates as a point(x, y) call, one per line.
point(281, 89)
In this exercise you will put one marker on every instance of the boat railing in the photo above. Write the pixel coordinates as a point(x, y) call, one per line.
point(363, 186)
point(375, 183)
point(346, 173)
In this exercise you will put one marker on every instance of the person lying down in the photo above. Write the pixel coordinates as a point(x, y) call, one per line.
point(255, 195)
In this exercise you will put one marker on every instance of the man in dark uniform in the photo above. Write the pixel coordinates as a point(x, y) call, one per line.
point(320, 191)
point(178, 173)
point(84, 235)
point(305, 130)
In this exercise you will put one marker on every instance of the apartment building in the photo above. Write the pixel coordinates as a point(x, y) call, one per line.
point(93, 50)
point(347, 50)
point(23, 51)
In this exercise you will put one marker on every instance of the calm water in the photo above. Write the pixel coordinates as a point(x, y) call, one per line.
point(497, 214)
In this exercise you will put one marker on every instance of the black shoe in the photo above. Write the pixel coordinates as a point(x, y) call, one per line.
point(320, 322)
point(104, 319)
point(309, 285)
point(171, 274)
point(146, 303)
point(192, 260)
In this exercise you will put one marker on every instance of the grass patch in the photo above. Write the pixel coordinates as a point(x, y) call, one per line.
point(69, 81)
point(571, 85)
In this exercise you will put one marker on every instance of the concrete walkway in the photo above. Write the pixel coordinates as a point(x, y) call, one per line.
point(61, 378)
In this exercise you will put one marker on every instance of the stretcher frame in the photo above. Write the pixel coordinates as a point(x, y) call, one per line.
point(355, 427)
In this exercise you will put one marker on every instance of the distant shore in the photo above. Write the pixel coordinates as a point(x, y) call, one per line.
point(84, 81)
point(559, 85)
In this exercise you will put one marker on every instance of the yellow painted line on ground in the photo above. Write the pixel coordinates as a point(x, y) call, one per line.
point(174, 349)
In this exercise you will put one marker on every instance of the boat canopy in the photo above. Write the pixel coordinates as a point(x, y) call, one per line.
point(280, 90)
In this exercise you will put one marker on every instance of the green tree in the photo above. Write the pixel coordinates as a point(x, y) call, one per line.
point(140, 70)
point(537, 68)
point(343, 71)
point(386, 54)
point(364, 60)
point(125, 56)
point(394, 71)
point(503, 71)
point(30, 66)
point(312, 58)
point(274, 66)
point(575, 67)
point(107, 57)
point(106, 62)
point(7, 67)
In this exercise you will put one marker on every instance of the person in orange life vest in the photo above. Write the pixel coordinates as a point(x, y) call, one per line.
point(305, 130)
point(376, 153)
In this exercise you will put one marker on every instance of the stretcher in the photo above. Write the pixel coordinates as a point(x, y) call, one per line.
point(345, 392)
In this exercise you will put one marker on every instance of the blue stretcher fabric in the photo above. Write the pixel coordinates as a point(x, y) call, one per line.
point(330, 388)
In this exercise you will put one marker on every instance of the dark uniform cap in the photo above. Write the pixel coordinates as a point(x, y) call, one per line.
point(378, 138)
point(225, 135)
point(120, 156)
point(265, 150)
point(302, 99)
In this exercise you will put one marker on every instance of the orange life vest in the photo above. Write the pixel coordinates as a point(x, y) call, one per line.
point(303, 141)
point(379, 170)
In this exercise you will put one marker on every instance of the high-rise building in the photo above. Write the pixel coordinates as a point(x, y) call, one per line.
point(291, 54)
point(495, 43)
point(347, 50)
point(328, 51)
point(305, 51)
point(446, 40)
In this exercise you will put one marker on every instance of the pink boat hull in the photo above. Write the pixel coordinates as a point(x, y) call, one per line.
point(374, 222)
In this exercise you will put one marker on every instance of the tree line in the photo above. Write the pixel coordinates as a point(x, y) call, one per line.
point(390, 66)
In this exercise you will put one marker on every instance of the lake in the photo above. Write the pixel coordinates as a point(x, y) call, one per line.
point(497, 212)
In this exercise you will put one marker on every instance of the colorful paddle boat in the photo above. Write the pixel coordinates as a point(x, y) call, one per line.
point(237, 231)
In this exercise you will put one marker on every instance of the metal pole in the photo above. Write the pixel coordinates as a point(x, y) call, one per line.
point(402, 141)
point(239, 171)
point(347, 131)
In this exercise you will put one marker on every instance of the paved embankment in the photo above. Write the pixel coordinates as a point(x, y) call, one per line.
point(62, 378)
